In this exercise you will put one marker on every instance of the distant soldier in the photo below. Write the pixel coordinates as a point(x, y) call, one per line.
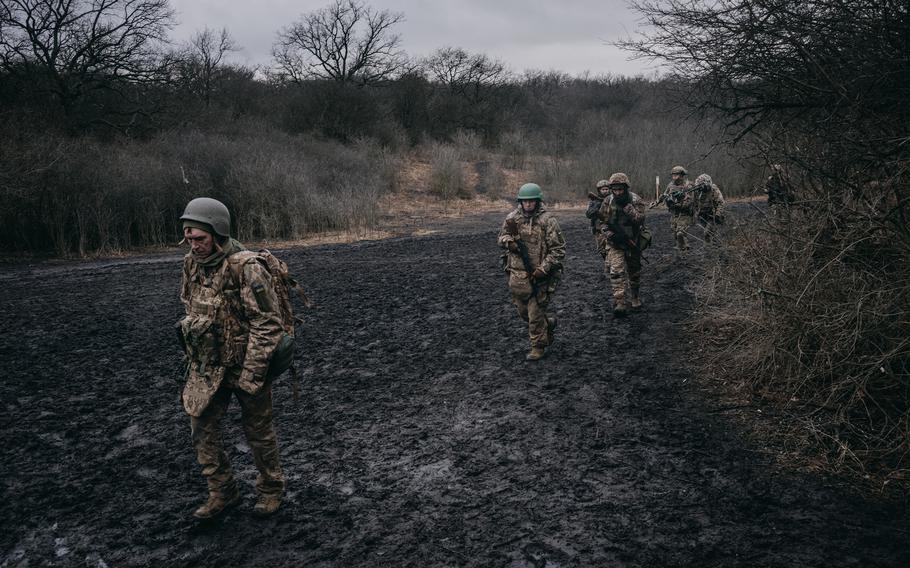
point(535, 251)
point(594, 202)
point(680, 204)
point(231, 330)
point(623, 216)
point(709, 203)
point(778, 189)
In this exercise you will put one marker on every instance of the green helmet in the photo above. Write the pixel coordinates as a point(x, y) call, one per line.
point(211, 213)
point(530, 191)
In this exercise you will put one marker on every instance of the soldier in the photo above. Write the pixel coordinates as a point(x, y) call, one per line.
point(231, 329)
point(623, 216)
point(778, 189)
point(535, 250)
point(594, 202)
point(709, 203)
point(679, 203)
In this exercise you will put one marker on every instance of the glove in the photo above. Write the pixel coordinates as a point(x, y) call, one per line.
point(609, 234)
point(629, 210)
point(513, 246)
point(539, 273)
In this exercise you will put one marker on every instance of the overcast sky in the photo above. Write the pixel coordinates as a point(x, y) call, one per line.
point(565, 35)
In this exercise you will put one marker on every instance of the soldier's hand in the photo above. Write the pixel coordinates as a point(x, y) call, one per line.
point(513, 246)
point(629, 210)
point(539, 273)
point(609, 234)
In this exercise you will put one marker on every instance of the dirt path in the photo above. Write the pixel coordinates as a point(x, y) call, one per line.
point(423, 438)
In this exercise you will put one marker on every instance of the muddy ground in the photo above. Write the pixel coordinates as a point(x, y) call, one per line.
point(422, 437)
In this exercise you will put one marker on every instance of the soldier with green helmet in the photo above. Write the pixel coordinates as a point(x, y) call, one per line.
point(534, 251)
point(680, 205)
point(622, 215)
point(231, 330)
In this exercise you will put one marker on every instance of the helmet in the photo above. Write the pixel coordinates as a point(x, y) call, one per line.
point(210, 212)
point(619, 178)
point(602, 184)
point(703, 179)
point(530, 191)
point(678, 170)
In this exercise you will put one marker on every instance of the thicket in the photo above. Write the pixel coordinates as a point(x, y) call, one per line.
point(810, 307)
point(102, 145)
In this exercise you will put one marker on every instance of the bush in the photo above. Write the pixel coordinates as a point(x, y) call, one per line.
point(447, 180)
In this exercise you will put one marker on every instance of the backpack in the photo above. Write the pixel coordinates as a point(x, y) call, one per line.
point(282, 284)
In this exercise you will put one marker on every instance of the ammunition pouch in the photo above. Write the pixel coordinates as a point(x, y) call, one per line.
point(282, 357)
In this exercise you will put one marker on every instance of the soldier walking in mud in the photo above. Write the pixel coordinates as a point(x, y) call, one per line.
point(680, 205)
point(623, 216)
point(231, 330)
point(594, 202)
point(535, 249)
point(709, 204)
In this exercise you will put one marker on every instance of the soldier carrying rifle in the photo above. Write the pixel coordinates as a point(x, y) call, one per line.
point(535, 249)
point(623, 216)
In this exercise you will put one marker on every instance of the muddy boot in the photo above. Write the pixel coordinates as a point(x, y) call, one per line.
point(636, 299)
point(267, 504)
point(551, 327)
point(620, 310)
point(217, 503)
point(535, 354)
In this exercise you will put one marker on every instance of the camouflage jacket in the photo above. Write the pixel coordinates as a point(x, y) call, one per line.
point(591, 213)
point(630, 224)
point(778, 190)
point(541, 234)
point(684, 207)
point(710, 202)
point(231, 328)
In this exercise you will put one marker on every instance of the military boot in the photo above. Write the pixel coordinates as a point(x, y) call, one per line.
point(620, 309)
point(217, 503)
point(535, 354)
point(636, 299)
point(267, 504)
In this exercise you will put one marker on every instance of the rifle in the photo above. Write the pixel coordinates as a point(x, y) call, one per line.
point(512, 229)
point(677, 195)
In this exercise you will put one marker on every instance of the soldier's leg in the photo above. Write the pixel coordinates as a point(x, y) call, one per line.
point(683, 223)
point(633, 265)
point(538, 325)
point(674, 229)
point(616, 268)
point(209, 445)
point(521, 306)
point(260, 434)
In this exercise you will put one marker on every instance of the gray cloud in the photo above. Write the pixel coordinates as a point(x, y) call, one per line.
point(568, 36)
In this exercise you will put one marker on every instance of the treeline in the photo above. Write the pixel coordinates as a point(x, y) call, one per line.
point(810, 308)
point(107, 128)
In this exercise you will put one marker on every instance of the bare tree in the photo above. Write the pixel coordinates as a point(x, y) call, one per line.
point(69, 48)
point(346, 41)
point(202, 59)
point(472, 76)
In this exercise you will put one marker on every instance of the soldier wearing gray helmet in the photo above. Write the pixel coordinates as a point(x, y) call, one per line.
point(680, 205)
point(622, 214)
point(231, 330)
point(709, 205)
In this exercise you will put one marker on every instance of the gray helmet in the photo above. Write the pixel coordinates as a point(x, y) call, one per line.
point(703, 180)
point(678, 170)
point(602, 184)
point(209, 212)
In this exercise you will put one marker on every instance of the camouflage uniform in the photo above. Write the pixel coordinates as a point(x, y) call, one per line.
point(594, 203)
point(231, 328)
point(623, 263)
point(778, 188)
point(680, 213)
point(546, 248)
point(709, 203)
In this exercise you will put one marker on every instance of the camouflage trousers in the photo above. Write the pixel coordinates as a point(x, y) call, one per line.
point(624, 270)
point(706, 220)
point(256, 418)
point(533, 310)
point(679, 224)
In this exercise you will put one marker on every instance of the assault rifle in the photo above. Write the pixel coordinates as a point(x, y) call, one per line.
point(677, 195)
point(620, 238)
point(512, 229)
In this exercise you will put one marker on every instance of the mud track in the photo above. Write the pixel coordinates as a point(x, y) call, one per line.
point(422, 438)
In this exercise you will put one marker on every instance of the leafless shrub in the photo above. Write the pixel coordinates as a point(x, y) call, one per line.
point(447, 180)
